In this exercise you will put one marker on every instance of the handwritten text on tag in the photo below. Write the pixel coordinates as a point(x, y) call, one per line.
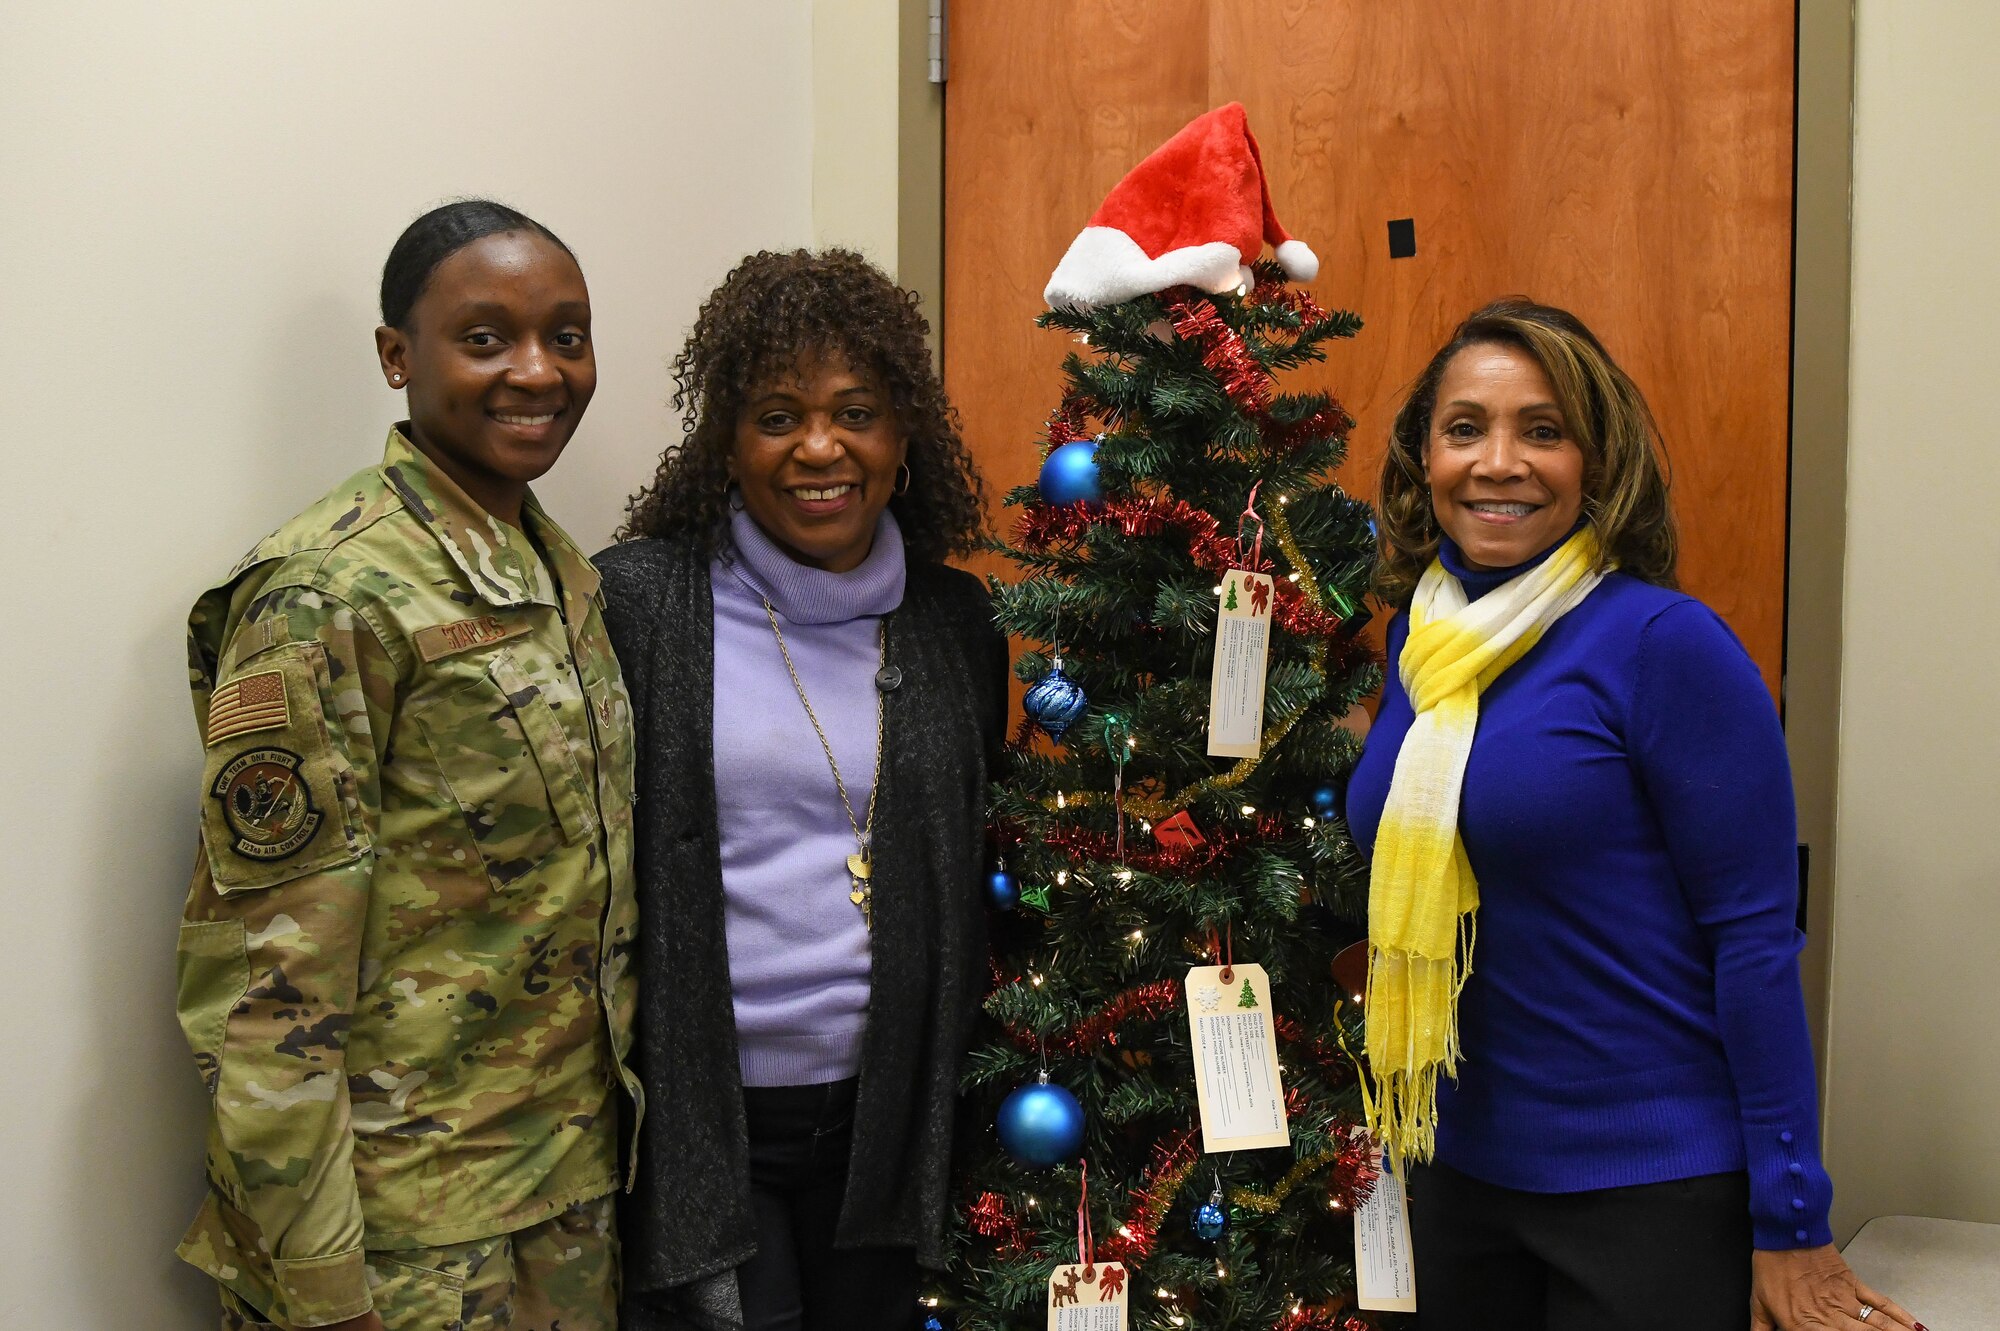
point(1236, 1059)
point(1242, 651)
point(1385, 1275)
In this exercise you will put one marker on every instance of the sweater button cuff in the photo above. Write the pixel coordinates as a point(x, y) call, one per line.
point(1785, 1137)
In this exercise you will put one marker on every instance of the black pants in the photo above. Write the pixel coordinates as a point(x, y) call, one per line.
point(800, 1137)
point(1648, 1258)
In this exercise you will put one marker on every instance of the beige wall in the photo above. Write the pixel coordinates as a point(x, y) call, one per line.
point(195, 201)
point(878, 140)
point(1914, 1057)
point(1822, 250)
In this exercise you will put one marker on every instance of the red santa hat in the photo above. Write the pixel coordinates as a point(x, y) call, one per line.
point(1195, 213)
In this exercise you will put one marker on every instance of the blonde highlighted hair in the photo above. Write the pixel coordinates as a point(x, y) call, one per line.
point(1624, 476)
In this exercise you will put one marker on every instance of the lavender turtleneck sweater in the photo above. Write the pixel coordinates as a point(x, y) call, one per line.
point(798, 948)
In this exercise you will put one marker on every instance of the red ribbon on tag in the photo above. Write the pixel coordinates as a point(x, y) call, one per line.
point(1086, 1250)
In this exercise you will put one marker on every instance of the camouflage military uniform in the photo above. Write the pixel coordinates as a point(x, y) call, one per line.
point(560, 1275)
point(403, 963)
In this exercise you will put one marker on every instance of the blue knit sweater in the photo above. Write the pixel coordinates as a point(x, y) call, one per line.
point(1634, 1012)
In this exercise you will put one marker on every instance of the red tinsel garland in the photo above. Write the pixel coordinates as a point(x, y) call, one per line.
point(1133, 1240)
point(1351, 1178)
point(1149, 1001)
point(1329, 419)
point(1085, 844)
point(1224, 352)
point(1290, 297)
point(1320, 1317)
point(1069, 422)
point(1330, 1059)
point(1042, 526)
point(989, 1217)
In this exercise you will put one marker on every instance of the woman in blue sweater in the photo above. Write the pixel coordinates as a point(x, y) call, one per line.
point(1592, 783)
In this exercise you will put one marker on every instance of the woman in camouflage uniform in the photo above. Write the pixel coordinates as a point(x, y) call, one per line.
point(403, 958)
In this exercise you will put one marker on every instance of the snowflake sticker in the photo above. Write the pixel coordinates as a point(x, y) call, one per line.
point(1208, 997)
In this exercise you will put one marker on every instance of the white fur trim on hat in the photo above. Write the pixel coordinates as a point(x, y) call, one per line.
point(1298, 261)
point(1105, 266)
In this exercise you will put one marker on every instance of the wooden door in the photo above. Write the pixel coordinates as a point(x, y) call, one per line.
point(1630, 160)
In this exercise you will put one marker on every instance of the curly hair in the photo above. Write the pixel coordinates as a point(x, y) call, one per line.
point(773, 312)
point(1625, 479)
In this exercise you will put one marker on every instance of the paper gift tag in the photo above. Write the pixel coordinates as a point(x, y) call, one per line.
point(1236, 1059)
point(1242, 649)
point(1385, 1277)
point(1087, 1298)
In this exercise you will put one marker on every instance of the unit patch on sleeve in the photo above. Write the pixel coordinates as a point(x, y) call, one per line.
point(266, 804)
point(247, 703)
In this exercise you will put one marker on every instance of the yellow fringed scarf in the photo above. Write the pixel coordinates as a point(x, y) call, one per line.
point(1422, 896)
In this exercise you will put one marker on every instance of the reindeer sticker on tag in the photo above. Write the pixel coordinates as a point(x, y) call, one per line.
point(1087, 1298)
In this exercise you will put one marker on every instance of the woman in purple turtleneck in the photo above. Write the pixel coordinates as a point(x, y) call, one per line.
point(1630, 1140)
point(817, 701)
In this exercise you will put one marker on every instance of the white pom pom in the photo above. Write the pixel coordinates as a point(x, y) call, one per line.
point(1298, 261)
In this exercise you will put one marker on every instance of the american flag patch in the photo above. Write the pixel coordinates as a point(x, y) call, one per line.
point(253, 702)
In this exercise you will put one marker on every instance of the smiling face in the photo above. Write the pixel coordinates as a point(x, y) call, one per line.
point(815, 455)
point(1506, 475)
point(498, 361)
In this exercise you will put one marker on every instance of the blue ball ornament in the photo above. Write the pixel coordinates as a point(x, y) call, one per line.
point(1003, 890)
point(1055, 702)
point(1326, 800)
point(1069, 475)
point(1041, 1125)
point(1210, 1221)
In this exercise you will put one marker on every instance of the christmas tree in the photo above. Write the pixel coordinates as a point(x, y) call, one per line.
point(1128, 854)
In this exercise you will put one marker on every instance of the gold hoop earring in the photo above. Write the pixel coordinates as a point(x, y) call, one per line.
point(903, 479)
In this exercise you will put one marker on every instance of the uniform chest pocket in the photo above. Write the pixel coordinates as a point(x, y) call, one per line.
point(510, 769)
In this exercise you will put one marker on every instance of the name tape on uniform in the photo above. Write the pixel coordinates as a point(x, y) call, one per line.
point(442, 640)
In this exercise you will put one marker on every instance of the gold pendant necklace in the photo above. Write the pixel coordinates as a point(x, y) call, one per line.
point(860, 867)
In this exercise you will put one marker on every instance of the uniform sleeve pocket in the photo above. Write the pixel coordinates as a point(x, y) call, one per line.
point(213, 967)
point(278, 792)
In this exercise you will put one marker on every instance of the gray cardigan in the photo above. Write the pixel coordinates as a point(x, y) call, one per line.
point(688, 1218)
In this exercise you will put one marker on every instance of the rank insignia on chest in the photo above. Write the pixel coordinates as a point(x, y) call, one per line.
point(266, 804)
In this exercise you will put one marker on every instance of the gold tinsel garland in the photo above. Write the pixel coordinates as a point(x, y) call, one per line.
point(1264, 1203)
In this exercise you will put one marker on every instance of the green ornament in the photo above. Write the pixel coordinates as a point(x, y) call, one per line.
point(1038, 897)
